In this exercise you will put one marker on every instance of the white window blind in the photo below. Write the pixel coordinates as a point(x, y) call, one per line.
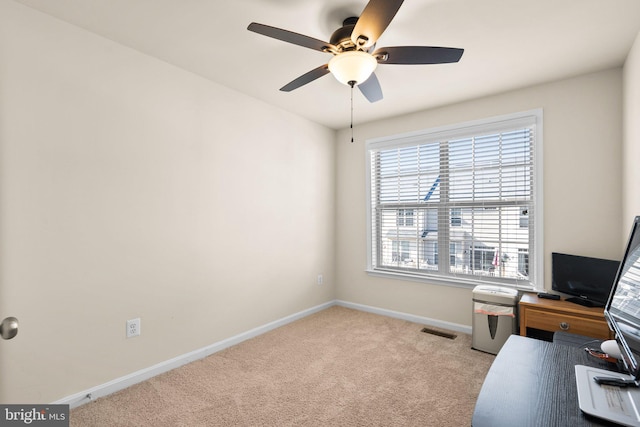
point(457, 204)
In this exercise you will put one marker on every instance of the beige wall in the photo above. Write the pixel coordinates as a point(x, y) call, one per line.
point(631, 150)
point(130, 188)
point(582, 186)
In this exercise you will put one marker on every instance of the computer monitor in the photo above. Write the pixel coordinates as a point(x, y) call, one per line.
point(623, 306)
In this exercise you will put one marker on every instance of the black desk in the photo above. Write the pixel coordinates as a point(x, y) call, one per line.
point(532, 383)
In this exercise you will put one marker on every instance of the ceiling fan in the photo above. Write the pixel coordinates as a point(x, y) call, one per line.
point(353, 48)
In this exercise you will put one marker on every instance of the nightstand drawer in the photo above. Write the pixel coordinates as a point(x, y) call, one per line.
point(549, 321)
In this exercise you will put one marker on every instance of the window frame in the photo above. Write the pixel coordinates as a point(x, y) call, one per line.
point(498, 124)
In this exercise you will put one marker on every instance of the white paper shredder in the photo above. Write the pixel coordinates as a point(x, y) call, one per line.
point(494, 317)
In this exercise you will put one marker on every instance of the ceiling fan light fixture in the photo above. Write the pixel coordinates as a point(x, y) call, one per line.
point(352, 66)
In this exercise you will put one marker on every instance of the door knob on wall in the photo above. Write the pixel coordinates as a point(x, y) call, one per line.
point(9, 328)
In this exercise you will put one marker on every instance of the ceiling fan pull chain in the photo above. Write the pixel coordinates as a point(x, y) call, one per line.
point(352, 83)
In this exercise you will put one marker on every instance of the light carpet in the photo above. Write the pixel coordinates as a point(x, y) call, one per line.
point(338, 367)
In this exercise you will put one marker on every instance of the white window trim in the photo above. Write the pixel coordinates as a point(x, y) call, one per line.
point(455, 131)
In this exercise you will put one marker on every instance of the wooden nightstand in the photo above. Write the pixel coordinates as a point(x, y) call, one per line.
point(538, 314)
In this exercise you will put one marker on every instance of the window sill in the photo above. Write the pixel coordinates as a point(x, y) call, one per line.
point(452, 282)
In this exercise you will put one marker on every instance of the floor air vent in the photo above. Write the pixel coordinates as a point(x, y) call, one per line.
point(439, 333)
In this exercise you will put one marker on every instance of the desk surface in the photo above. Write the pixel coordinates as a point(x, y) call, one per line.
point(532, 383)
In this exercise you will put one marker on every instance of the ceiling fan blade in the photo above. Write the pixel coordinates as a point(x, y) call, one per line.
point(316, 73)
point(291, 37)
point(375, 18)
point(417, 55)
point(371, 89)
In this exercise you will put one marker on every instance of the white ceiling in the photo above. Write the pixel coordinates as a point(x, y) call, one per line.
point(508, 44)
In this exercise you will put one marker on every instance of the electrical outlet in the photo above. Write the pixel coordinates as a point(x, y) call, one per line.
point(133, 328)
point(320, 279)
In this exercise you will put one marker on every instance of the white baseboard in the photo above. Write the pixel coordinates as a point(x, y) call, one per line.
point(405, 316)
point(121, 383)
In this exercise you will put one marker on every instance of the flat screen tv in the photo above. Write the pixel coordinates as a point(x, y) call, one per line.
point(587, 280)
point(623, 307)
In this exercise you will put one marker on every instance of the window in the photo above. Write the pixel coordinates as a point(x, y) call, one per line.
point(523, 262)
point(401, 250)
point(524, 218)
point(458, 204)
point(405, 217)
point(456, 217)
point(453, 250)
